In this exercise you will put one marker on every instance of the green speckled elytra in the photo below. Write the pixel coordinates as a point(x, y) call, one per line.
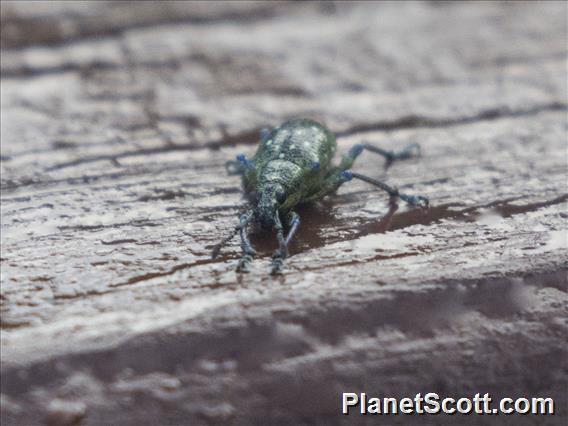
point(292, 166)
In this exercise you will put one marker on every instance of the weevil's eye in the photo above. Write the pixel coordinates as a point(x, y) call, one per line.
point(280, 195)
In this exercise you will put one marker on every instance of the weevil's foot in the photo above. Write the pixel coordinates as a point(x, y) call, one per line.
point(276, 266)
point(410, 151)
point(277, 262)
point(244, 261)
point(281, 253)
point(416, 200)
point(242, 267)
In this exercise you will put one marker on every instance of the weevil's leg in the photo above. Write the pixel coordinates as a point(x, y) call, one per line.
point(264, 133)
point(412, 150)
point(238, 166)
point(248, 217)
point(248, 250)
point(329, 185)
point(338, 178)
point(413, 200)
point(282, 252)
point(294, 222)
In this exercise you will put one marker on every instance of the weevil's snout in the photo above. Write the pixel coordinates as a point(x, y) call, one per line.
point(266, 221)
point(268, 204)
point(265, 215)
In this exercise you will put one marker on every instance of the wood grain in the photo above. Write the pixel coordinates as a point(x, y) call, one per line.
point(117, 121)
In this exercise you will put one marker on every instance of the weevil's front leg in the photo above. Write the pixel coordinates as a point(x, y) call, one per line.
point(294, 222)
point(248, 250)
point(244, 219)
point(282, 252)
point(410, 151)
point(241, 163)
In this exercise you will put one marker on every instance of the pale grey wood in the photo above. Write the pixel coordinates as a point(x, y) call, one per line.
point(116, 124)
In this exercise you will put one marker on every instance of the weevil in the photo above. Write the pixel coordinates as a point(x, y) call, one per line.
point(292, 166)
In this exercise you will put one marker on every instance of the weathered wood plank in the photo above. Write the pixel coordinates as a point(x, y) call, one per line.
point(114, 139)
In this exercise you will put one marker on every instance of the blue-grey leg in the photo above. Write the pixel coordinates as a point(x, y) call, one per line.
point(282, 252)
point(238, 166)
point(241, 163)
point(248, 250)
point(410, 151)
point(244, 220)
point(264, 133)
point(294, 223)
point(413, 200)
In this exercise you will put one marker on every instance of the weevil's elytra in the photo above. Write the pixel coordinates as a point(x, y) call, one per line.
point(292, 166)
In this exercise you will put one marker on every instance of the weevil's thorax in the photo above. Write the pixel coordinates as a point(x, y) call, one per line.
point(281, 173)
point(303, 142)
point(293, 157)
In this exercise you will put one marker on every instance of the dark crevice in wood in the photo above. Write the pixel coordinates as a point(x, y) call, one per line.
point(415, 121)
point(54, 36)
point(28, 71)
point(250, 137)
point(152, 275)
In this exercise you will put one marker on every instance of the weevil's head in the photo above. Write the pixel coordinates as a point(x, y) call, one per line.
point(270, 199)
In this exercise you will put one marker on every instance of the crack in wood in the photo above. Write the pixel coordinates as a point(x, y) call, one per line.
point(250, 137)
point(84, 30)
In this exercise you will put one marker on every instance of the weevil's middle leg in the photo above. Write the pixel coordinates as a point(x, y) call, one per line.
point(238, 166)
point(282, 252)
point(241, 163)
point(342, 174)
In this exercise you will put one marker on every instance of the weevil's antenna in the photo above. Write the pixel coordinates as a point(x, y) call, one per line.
point(245, 219)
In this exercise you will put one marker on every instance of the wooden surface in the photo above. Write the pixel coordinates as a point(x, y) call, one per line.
point(116, 124)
